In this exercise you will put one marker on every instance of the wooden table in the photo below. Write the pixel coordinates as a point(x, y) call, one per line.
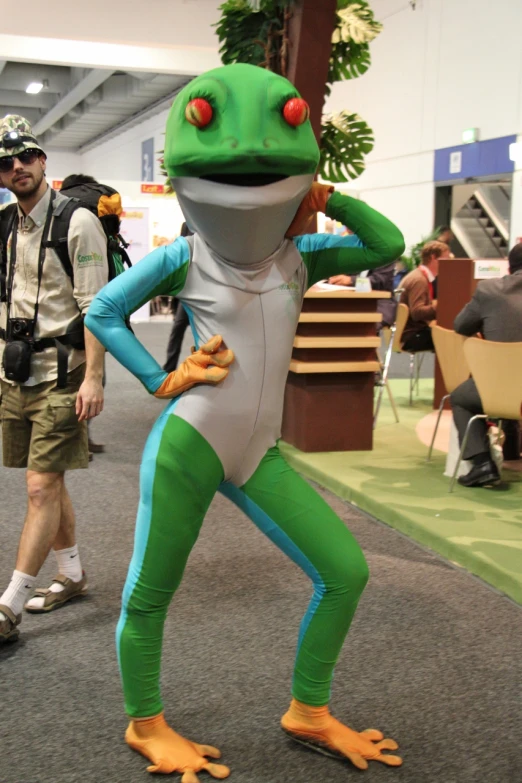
point(329, 391)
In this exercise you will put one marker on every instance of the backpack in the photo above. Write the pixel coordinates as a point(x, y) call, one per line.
point(104, 202)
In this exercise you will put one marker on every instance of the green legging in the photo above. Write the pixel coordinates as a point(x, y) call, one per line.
point(180, 475)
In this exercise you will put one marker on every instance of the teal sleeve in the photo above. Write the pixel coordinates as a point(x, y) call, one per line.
point(375, 241)
point(162, 273)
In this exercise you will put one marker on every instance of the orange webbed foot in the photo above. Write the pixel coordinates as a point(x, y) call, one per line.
point(320, 731)
point(170, 752)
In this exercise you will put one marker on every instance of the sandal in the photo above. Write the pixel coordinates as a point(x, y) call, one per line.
point(9, 631)
point(55, 600)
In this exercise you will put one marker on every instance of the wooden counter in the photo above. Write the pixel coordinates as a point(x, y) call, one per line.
point(329, 391)
point(456, 285)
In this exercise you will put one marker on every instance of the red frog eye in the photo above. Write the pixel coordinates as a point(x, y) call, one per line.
point(296, 111)
point(199, 112)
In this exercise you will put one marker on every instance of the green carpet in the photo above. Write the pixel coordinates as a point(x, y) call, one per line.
point(479, 529)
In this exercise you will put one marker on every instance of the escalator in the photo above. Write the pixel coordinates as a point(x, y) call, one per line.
point(481, 225)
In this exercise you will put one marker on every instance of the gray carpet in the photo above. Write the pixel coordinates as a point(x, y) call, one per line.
point(434, 657)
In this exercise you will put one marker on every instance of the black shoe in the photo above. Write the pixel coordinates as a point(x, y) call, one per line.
point(96, 448)
point(482, 475)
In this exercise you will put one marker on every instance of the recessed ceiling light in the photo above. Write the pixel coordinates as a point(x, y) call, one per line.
point(34, 87)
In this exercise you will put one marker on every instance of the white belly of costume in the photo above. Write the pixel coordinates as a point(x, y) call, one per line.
point(256, 312)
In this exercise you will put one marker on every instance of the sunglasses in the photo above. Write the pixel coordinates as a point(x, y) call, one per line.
point(26, 158)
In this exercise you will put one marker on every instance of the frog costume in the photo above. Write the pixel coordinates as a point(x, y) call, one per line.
point(242, 159)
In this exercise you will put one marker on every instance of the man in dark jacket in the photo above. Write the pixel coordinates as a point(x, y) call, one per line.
point(495, 312)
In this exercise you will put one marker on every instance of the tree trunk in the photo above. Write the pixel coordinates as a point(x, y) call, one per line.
point(310, 33)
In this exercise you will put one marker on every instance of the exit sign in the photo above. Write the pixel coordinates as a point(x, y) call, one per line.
point(470, 135)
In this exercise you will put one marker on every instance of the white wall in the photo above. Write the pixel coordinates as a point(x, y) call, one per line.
point(447, 66)
point(60, 163)
point(120, 158)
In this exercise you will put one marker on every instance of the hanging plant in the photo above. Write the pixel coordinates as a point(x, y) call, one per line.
point(345, 140)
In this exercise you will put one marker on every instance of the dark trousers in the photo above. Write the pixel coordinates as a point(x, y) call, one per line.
point(418, 341)
point(177, 333)
point(466, 402)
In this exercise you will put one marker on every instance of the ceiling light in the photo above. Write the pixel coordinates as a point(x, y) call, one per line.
point(34, 87)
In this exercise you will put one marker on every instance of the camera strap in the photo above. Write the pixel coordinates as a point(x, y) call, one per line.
point(41, 259)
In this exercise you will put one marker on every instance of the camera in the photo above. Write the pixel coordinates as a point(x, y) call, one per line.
point(18, 349)
point(20, 329)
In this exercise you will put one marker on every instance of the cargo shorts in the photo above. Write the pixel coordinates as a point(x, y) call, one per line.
point(40, 428)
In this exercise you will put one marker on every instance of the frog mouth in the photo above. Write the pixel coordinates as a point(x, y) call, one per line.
point(245, 180)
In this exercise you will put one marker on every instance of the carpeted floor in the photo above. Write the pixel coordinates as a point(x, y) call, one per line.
point(480, 529)
point(434, 657)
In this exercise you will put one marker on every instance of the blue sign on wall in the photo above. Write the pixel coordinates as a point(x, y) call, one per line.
point(147, 160)
point(480, 159)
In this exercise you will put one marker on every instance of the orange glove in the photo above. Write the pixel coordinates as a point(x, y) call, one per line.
point(314, 201)
point(206, 365)
point(318, 730)
point(170, 752)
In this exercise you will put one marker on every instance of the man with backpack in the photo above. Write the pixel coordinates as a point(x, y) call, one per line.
point(50, 368)
point(105, 203)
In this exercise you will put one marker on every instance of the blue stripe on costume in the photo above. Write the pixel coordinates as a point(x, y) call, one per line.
point(190, 316)
point(311, 243)
point(161, 272)
point(141, 535)
point(267, 526)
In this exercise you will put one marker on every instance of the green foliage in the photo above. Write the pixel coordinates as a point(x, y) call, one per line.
point(348, 60)
point(412, 259)
point(345, 140)
point(253, 37)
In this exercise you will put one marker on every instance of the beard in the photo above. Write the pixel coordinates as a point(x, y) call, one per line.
point(28, 186)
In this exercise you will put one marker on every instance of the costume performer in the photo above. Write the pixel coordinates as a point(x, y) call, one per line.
point(241, 155)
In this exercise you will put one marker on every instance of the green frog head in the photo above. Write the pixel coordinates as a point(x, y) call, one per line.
point(241, 154)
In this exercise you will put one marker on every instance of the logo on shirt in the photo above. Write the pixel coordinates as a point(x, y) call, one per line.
point(93, 259)
point(292, 291)
point(291, 288)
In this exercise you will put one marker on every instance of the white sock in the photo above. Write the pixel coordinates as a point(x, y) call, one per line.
point(20, 588)
point(68, 565)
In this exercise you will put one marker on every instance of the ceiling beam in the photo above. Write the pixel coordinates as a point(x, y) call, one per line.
point(84, 88)
point(129, 122)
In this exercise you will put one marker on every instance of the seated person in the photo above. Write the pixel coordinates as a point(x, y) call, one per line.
point(418, 295)
point(495, 312)
point(381, 279)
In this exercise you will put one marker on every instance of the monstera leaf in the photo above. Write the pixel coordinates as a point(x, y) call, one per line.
point(345, 140)
point(350, 55)
point(356, 23)
point(348, 60)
